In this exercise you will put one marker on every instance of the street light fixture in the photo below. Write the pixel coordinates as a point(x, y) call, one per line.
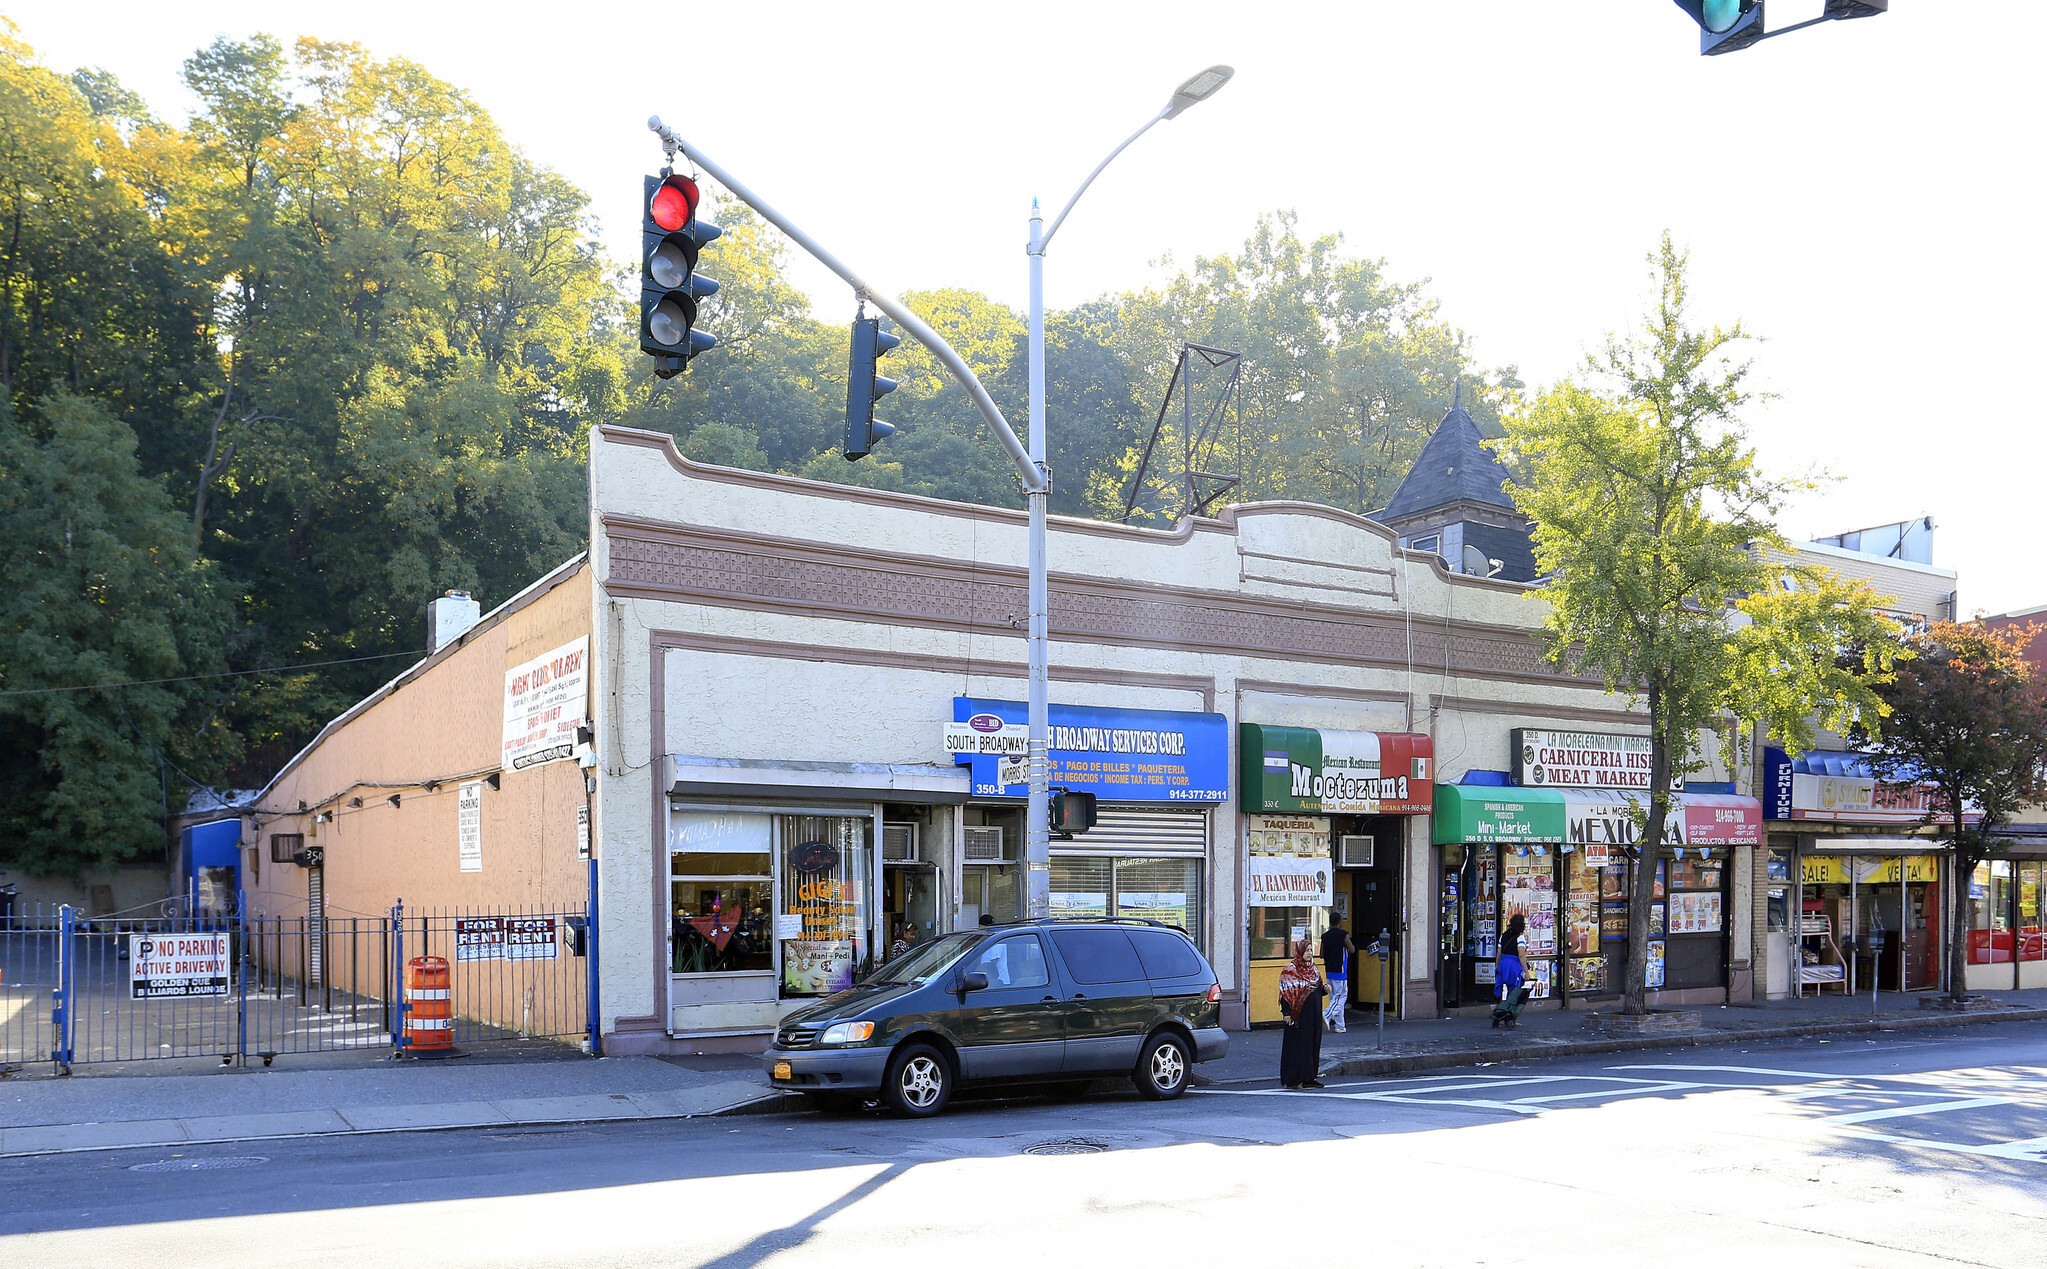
point(1037, 823)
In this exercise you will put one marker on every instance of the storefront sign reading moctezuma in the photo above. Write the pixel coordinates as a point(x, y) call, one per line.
point(1312, 771)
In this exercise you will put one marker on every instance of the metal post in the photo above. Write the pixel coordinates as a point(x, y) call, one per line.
point(354, 963)
point(1038, 819)
point(591, 1018)
point(1854, 895)
point(1385, 955)
point(242, 980)
point(397, 966)
point(63, 1008)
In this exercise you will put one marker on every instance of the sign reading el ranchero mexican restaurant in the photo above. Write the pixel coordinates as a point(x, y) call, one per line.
point(1581, 760)
point(1307, 770)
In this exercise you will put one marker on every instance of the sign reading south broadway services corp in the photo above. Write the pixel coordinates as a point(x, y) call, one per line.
point(1119, 755)
point(1306, 770)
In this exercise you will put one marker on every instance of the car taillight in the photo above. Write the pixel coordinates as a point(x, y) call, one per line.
point(1215, 993)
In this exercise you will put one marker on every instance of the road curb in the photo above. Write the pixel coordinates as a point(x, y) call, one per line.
point(1393, 1064)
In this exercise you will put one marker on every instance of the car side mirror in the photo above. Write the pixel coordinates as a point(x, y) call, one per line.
point(975, 981)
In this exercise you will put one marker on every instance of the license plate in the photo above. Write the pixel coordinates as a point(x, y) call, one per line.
point(782, 1071)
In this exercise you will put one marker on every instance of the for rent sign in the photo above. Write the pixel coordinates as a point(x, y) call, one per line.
point(177, 965)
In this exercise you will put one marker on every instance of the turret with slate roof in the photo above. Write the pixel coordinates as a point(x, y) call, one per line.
point(1455, 502)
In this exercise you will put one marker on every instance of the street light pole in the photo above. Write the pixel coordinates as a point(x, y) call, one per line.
point(1037, 819)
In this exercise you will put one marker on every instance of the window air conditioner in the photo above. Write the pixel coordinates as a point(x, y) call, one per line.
point(1354, 851)
point(898, 842)
point(982, 844)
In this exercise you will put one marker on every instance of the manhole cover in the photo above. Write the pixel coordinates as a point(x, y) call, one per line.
point(201, 1165)
point(1071, 1145)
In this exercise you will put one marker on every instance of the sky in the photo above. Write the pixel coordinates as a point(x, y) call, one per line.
point(1864, 196)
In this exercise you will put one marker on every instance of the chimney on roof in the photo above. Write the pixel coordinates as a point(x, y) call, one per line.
point(449, 618)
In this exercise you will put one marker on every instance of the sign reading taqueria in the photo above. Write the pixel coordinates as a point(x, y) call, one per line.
point(1580, 760)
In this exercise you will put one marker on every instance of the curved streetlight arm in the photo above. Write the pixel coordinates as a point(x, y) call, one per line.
point(1045, 239)
point(1032, 475)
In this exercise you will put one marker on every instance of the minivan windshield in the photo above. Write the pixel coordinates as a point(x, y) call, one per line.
point(921, 964)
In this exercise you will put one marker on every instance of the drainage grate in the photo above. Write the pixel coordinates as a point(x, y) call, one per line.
point(200, 1165)
point(1067, 1145)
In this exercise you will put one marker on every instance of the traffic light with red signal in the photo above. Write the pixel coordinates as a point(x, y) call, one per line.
point(671, 237)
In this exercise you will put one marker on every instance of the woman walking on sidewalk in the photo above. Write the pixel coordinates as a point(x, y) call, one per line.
point(1511, 975)
point(1301, 992)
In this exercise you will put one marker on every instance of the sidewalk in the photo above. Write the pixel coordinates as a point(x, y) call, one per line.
point(106, 1112)
point(117, 1111)
point(1442, 1042)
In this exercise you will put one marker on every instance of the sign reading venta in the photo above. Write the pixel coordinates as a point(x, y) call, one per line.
point(545, 701)
point(1308, 770)
point(1581, 760)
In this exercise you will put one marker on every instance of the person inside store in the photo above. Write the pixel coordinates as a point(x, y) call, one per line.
point(1510, 973)
point(1337, 950)
point(1301, 992)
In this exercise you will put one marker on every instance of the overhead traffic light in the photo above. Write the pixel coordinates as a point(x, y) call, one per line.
point(671, 236)
point(864, 387)
point(1725, 25)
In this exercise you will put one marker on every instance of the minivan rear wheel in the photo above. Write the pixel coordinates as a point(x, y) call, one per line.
point(1162, 1068)
point(919, 1081)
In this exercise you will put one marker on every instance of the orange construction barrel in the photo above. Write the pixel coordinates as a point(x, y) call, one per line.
point(429, 1027)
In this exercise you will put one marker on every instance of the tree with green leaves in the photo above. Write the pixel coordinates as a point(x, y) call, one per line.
point(1650, 520)
point(1968, 716)
point(104, 589)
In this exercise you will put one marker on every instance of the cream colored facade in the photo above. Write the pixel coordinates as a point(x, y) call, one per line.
point(803, 643)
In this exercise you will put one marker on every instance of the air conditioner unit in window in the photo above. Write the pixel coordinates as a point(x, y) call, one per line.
point(898, 842)
point(1353, 851)
point(982, 844)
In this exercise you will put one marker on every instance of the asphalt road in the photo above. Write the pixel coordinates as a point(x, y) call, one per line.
point(1928, 1148)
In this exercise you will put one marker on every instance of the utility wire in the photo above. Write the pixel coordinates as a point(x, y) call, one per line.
point(224, 674)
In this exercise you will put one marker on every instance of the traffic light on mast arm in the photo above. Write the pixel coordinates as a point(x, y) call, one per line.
point(1728, 25)
point(1725, 25)
point(671, 236)
point(864, 387)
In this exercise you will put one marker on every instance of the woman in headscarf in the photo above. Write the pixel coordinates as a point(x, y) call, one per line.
point(1301, 991)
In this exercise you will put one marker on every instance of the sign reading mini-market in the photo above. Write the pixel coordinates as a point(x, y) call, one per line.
point(1581, 760)
point(1119, 755)
point(1307, 770)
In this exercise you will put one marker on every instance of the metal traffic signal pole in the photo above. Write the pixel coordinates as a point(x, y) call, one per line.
point(1037, 486)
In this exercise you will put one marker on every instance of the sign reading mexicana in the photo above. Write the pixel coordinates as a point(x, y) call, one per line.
point(1119, 755)
point(1304, 769)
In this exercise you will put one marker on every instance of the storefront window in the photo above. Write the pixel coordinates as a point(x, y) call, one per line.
point(1273, 930)
point(1167, 890)
point(827, 880)
point(720, 893)
point(1990, 901)
point(2032, 944)
point(1528, 888)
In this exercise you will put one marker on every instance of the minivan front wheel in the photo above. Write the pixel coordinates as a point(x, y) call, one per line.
point(919, 1081)
point(1162, 1069)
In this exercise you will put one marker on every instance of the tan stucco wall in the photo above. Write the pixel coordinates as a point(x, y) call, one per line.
point(444, 724)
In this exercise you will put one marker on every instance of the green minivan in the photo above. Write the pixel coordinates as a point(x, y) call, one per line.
point(1062, 999)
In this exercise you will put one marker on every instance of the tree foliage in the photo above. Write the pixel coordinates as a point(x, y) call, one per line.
point(1654, 525)
point(1968, 716)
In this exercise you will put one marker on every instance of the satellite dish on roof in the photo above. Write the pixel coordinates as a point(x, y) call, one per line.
point(1477, 564)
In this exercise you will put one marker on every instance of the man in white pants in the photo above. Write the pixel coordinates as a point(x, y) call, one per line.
point(1336, 954)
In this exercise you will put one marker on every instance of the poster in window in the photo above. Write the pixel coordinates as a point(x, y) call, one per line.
point(1652, 971)
point(817, 967)
point(1541, 974)
point(1581, 933)
point(1656, 925)
point(1588, 974)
